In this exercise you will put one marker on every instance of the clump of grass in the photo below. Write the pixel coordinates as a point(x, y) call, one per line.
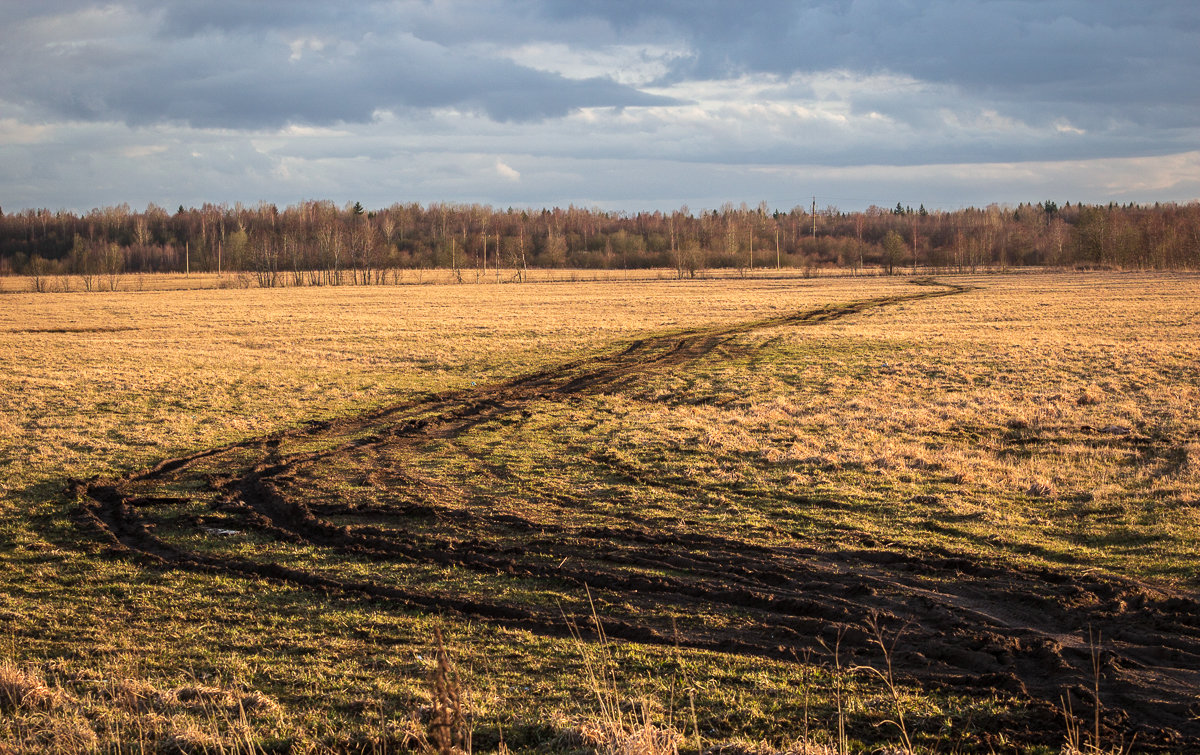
point(840, 673)
point(1189, 465)
point(1090, 395)
point(21, 688)
point(629, 734)
point(39, 717)
point(757, 748)
point(59, 709)
point(191, 737)
point(1040, 489)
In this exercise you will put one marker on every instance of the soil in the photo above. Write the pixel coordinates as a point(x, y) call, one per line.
point(950, 620)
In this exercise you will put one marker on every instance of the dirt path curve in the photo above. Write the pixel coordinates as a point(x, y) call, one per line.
point(967, 623)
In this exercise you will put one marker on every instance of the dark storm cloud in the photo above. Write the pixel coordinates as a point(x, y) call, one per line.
point(255, 65)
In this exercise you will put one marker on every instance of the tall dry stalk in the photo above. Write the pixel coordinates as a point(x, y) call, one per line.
point(888, 677)
point(615, 731)
point(449, 726)
point(839, 672)
point(1075, 744)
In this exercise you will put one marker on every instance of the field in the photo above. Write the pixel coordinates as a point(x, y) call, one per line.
point(736, 515)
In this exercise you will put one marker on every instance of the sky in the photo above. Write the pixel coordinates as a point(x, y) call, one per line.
point(620, 104)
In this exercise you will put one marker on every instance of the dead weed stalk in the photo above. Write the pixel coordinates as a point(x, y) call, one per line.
point(888, 677)
point(839, 683)
point(449, 728)
point(617, 729)
point(1075, 744)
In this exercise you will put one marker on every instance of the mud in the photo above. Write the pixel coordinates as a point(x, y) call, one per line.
point(957, 622)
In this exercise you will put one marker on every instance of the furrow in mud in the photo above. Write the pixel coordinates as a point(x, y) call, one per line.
point(960, 622)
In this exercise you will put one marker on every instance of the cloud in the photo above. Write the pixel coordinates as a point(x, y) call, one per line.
point(507, 171)
point(186, 19)
point(633, 65)
point(678, 101)
point(234, 69)
point(1033, 59)
point(13, 132)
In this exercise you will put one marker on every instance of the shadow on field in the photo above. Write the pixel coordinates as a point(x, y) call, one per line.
point(968, 624)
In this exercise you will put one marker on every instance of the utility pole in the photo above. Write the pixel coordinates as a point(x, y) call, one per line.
point(524, 267)
point(814, 218)
point(499, 251)
point(778, 264)
point(858, 224)
point(914, 242)
point(187, 259)
point(751, 246)
point(676, 258)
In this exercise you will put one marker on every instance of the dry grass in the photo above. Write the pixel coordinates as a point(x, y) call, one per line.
point(102, 383)
point(620, 725)
point(1050, 415)
point(139, 282)
point(22, 689)
point(98, 382)
point(111, 708)
point(1038, 418)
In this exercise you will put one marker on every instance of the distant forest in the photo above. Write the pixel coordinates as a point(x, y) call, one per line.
point(319, 243)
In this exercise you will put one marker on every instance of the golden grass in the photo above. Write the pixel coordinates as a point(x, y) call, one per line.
point(107, 708)
point(1038, 417)
point(1039, 414)
point(96, 382)
point(140, 282)
point(22, 688)
point(103, 383)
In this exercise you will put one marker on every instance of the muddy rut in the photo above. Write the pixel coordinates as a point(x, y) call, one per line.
point(957, 622)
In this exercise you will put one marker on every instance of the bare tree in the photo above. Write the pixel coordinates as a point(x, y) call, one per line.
point(39, 274)
point(893, 251)
point(112, 262)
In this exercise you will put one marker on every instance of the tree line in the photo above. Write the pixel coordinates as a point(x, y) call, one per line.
point(319, 243)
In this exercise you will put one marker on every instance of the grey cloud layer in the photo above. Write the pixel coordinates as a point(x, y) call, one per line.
point(252, 65)
point(1093, 60)
point(1101, 66)
point(195, 97)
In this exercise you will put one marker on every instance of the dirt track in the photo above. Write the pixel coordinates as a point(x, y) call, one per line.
point(969, 624)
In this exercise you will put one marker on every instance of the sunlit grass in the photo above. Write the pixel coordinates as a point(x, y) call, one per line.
point(1033, 420)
